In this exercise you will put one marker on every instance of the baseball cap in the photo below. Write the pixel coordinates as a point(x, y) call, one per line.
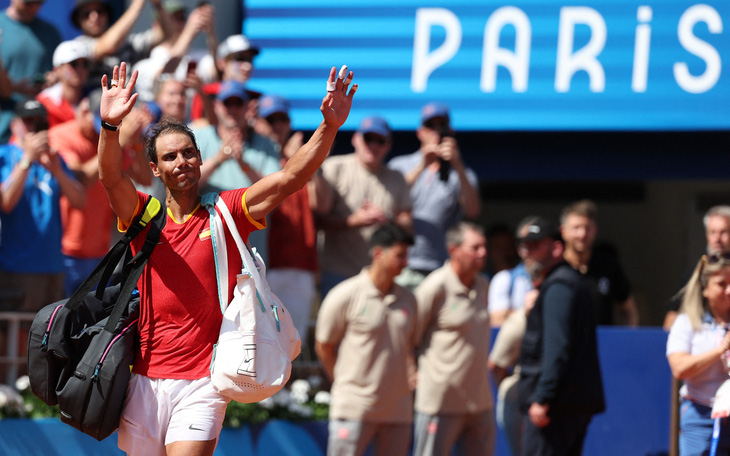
point(271, 104)
point(376, 125)
point(68, 51)
point(538, 229)
point(30, 108)
point(234, 44)
point(233, 88)
point(81, 3)
point(432, 110)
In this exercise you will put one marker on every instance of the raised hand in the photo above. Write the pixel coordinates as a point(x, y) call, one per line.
point(118, 100)
point(337, 103)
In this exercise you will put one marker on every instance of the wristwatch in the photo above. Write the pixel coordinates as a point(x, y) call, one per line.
point(24, 163)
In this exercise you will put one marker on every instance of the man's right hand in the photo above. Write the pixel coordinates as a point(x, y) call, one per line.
point(117, 101)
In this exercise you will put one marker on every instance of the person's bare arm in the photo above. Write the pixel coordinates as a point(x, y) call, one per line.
point(116, 103)
point(110, 41)
point(266, 194)
point(327, 356)
point(687, 365)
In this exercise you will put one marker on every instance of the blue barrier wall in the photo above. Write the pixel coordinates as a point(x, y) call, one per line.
point(638, 395)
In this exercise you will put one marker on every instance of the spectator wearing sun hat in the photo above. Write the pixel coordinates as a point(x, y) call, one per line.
point(443, 188)
point(26, 51)
point(366, 195)
point(71, 68)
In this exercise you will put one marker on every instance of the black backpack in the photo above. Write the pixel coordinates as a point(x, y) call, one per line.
point(80, 350)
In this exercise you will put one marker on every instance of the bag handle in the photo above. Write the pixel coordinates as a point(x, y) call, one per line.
point(250, 265)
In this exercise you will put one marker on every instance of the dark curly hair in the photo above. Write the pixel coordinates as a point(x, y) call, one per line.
point(164, 126)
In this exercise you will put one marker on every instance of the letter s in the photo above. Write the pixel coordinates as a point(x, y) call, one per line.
point(700, 48)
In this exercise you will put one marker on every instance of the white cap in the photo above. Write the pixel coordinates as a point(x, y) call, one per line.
point(68, 51)
point(234, 44)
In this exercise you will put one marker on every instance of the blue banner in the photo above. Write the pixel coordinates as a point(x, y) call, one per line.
point(502, 65)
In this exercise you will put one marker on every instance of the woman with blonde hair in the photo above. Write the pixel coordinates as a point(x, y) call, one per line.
point(697, 350)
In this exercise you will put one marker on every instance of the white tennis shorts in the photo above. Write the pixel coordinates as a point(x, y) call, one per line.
point(158, 412)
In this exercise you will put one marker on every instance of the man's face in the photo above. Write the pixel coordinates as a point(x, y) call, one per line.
point(26, 10)
point(280, 126)
point(178, 163)
point(579, 232)
point(75, 73)
point(371, 149)
point(171, 99)
point(93, 19)
point(472, 253)
point(393, 259)
point(232, 111)
point(431, 131)
point(537, 255)
point(239, 66)
point(718, 234)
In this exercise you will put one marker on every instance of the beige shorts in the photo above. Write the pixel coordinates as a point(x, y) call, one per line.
point(158, 412)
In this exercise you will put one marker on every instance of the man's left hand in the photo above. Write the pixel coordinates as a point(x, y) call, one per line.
point(539, 414)
point(337, 103)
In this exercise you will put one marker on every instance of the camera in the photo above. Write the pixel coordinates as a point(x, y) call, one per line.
point(444, 132)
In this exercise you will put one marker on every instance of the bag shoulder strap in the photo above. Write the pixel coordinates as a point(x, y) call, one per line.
point(212, 201)
point(132, 270)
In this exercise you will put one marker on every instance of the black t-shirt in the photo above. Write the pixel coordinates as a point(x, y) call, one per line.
point(609, 282)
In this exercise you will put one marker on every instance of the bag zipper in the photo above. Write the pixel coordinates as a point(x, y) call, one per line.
point(117, 337)
point(276, 317)
point(44, 341)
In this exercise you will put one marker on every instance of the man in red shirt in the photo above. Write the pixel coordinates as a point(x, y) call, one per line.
point(180, 315)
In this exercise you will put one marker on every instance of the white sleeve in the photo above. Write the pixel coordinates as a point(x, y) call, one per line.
point(680, 336)
point(499, 291)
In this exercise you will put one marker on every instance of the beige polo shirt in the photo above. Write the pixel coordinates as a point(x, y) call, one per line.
point(454, 331)
point(345, 252)
point(374, 334)
point(507, 345)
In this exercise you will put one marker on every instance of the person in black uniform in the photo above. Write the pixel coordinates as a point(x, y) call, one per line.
point(560, 386)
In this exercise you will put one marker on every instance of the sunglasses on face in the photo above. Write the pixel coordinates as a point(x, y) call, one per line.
point(242, 58)
point(79, 64)
point(233, 102)
point(86, 12)
point(274, 118)
point(376, 139)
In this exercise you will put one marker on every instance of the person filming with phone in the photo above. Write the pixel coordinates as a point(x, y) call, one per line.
point(443, 189)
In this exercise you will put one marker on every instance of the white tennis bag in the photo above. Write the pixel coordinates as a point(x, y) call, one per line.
point(257, 340)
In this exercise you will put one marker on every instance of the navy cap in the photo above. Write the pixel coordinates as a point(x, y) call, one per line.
point(376, 125)
point(271, 104)
point(233, 88)
point(432, 110)
point(538, 229)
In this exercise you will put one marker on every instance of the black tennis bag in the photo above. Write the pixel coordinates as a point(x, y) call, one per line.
point(80, 350)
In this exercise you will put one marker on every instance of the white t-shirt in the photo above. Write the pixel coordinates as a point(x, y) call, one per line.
point(702, 387)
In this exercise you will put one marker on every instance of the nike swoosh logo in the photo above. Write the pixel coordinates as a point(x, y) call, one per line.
point(194, 428)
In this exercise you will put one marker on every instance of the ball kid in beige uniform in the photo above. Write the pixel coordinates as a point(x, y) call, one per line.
point(365, 338)
point(453, 398)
